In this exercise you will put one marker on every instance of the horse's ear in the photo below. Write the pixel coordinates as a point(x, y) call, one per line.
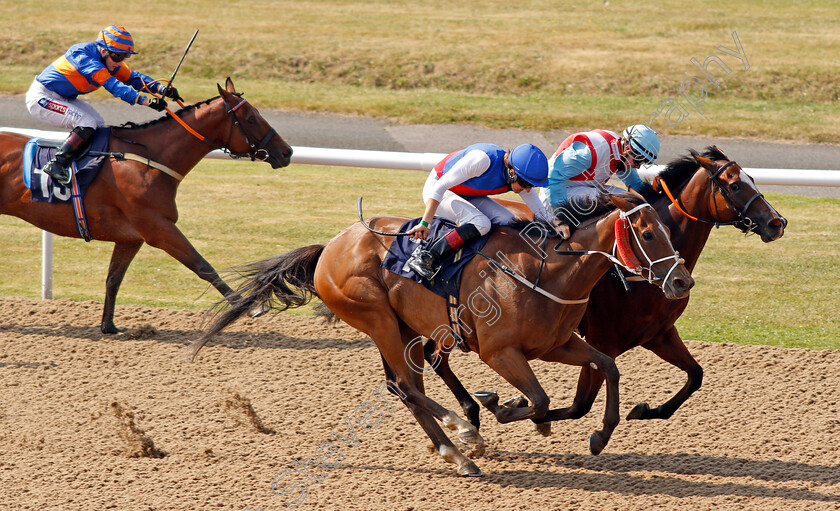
point(718, 149)
point(229, 85)
point(220, 89)
point(703, 162)
point(622, 204)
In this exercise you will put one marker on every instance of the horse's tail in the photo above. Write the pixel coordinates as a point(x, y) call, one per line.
point(265, 284)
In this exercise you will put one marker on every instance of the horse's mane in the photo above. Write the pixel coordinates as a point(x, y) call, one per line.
point(678, 172)
point(131, 125)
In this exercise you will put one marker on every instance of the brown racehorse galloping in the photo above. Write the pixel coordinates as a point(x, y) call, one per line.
point(707, 190)
point(130, 203)
point(506, 324)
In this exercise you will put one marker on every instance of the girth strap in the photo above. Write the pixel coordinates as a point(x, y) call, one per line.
point(155, 165)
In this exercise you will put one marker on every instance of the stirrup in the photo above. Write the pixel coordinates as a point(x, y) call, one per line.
point(62, 177)
point(421, 262)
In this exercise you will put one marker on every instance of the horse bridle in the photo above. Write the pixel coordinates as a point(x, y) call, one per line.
point(257, 151)
point(744, 222)
point(639, 269)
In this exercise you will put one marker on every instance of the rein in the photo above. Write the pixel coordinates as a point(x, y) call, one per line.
point(257, 151)
point(749, 225)
point(531, 285)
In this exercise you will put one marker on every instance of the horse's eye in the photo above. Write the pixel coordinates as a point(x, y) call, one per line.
point(647, 235)
point(735, 187)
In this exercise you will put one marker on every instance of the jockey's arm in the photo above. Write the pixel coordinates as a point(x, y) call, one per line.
point(631, 179)
point(532, 200)
point(473, 164)
point(574, 160)
point(125, 83)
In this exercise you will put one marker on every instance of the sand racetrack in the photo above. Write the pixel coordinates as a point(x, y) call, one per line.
point(123, 422)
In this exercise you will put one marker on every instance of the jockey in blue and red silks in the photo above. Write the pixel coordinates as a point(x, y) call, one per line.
point(84, 67)
point(457, 190)
point(590, 157)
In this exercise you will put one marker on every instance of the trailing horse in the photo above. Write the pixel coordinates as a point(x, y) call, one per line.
point(528, 321)
point(132, 202)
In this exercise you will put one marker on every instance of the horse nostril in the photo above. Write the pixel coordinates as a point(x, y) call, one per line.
point(682, 284)
point(778, 223)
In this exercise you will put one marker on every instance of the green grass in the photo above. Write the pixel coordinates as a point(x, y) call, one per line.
point(534, 64)
point(784, 293)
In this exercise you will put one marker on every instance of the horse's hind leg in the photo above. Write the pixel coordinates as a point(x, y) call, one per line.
point(163, 234)
point(121, 258)
point(443, 370)
point(670, 348)
point(391, 337)
point(577, 352)
point(443, 445)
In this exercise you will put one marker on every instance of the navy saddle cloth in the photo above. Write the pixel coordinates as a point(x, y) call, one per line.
point(42, 186)
point(448, 279)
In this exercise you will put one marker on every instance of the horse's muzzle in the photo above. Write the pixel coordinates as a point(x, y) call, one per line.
point(679, 285)
point(774, 229)
point(281, 160)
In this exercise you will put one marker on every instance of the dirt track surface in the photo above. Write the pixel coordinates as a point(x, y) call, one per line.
point(123, 422)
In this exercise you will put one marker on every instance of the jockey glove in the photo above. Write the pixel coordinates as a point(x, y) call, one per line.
point(172, 93)
point(156, 104)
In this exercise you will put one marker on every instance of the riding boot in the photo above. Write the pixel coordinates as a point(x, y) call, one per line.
point(69, 150)
point(424, 262)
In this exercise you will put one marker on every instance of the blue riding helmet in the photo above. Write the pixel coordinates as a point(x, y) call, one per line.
point(530, 164)
point(643, 140)
point(116, 39)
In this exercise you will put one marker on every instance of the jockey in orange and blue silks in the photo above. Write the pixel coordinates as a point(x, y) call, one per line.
point(583, 159)
point(457, 190)
point(53, 97)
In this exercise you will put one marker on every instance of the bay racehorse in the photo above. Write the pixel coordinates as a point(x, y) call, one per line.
point(506, 324)
point(130, 202)
point(696, 193)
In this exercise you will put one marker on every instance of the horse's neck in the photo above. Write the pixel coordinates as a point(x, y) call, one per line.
point(170, 143)
point(576, 275)
point(689, 236)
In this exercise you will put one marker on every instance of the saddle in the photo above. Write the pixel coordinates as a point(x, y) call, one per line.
point(43, 188)
point(447, 281)
point(38, 151)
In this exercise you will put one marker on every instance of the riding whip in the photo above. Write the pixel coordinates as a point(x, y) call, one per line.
point(371, 229)
point(169, 85)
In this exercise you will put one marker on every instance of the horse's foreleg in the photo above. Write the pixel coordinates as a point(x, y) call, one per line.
point(670, 348)
point(512, 365)
point(577, 352)
point(443, 370)
point(121, 258)
point(167, 237)
point(589, 383)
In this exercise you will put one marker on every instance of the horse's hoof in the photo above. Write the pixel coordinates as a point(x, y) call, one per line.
point(258, 310)
point(471, 438)
point(639, 411)
point(596, 444)
point(516, 402)
point(470, 469)
point(543, 429)
point(111, 329)
point(487, 397)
